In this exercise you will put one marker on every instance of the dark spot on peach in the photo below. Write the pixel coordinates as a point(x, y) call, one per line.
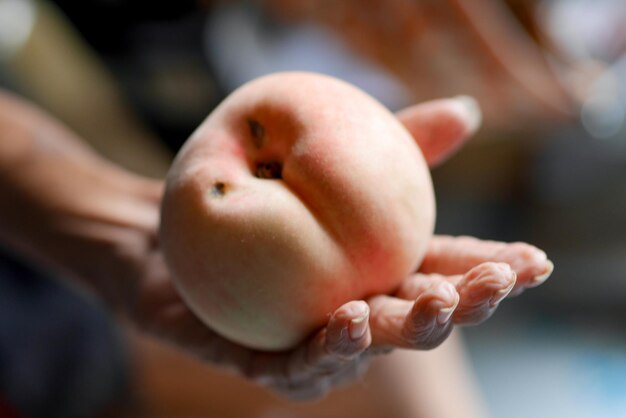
point(269, 170)
point(257, 131)
point(218, 189)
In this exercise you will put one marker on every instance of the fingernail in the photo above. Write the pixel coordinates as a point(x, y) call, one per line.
point(445, 314)
point(471, 110)
point(543, 277)
point(501, 295)
point(358, 327)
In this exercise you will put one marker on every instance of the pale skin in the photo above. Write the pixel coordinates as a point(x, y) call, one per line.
point(96, 224)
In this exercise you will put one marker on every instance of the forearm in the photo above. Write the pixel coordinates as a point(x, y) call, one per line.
point(23, 128)
point(32, 149)
point(66, 208)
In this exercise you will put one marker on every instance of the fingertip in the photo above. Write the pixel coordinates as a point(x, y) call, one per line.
point(348, 331)
point(353, 317)
point(430, 320)
point(530, 263)
point(359, 326)
point(484, 288)
point(447, 291)
point(500, 268)
point(358, 309)
point(496, 275)
point(443, 293)
point(446, 310)
point(444, 315)
point(492, 283)
point(438, 303)
point(539, 279)
point(470, 112)
point(501, 294)
point(505, 278)
point(440, 127)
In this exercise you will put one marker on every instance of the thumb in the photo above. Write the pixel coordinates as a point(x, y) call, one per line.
point(441, 127)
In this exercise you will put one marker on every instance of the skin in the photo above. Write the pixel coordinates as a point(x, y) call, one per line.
point(298, 194)
point(477, 47)
point(95, 224)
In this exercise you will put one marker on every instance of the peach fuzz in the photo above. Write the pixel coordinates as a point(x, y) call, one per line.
point(297, 194)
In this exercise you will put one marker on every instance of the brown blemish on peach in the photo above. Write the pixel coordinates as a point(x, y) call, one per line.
point(257, 131)
point(269, 170)
point(219, 189)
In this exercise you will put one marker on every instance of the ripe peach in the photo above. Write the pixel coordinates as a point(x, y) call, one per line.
point(296, 195)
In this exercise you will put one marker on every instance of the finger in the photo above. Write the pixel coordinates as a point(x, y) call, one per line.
point(481, 290)
point(456, 255)
point(422, 324)
point(345, 337)
point(310, 371)
point(412, 287)
point(440, 127)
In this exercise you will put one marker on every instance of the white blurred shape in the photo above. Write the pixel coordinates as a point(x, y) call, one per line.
point(17, 18)
point(584, 28)
point(603, 113)
point(243, 44)
point(594, 31)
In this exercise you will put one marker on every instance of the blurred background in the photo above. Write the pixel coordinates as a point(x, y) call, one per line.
point(548, 166)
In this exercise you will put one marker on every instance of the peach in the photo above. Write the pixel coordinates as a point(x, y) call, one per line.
point(297, 194)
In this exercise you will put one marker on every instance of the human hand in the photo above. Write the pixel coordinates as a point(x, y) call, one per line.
point(332, 356)
point(409, 319)
point(96, 223)
point(339, 351)
point(419, 315)
point(80, 217)
point(443, 47)
point(461, 280)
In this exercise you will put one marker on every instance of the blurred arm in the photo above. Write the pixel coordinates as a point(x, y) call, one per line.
point(66, 208)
